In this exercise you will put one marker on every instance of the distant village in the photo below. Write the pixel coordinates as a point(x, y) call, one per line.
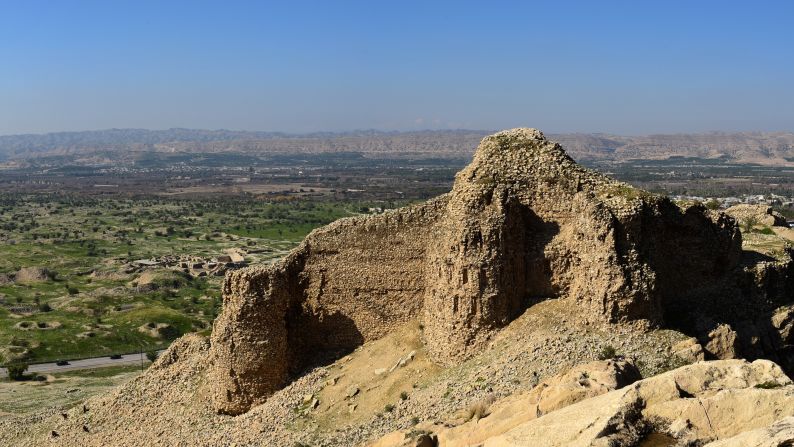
point(196, 266)
point(772, 200)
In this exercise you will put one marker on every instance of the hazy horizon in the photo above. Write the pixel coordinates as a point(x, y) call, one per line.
point(621, 68)
point(386, 131)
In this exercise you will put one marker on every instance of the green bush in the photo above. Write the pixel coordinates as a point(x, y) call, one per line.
point(151, 355)
point(749, 223)
point(607, 352)
point(169, 332)
point(17, 371)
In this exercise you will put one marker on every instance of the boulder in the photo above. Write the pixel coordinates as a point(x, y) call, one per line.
point(722, 342)
point(783, 322)
point(694, 404)
point(689, 350)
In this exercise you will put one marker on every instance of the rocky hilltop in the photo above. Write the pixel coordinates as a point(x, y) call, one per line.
point(530, 265)
point(523, 223)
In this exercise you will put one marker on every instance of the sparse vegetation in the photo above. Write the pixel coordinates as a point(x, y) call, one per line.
point(670, 363)
point(479, 409)
point(607, 352)
point(713, 204)
point(765, 230)
point(16, 371)
point(151, 355)
point(749, 223)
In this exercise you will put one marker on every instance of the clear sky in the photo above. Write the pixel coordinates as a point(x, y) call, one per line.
point(631, 67)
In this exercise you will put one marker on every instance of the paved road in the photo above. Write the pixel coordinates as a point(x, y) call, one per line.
point(96, 362)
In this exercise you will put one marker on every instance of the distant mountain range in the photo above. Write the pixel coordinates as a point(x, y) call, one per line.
point(744, 147)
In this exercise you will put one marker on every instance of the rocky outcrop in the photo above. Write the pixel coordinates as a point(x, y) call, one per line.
point(580, 383)
point(750, 215)
point(33, 274)
point(691, 405)
point(600, 404)
point(523, 223)
point(689, 350)
point(779, 434)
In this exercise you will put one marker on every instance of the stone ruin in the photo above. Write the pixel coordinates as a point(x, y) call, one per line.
point(523, 223)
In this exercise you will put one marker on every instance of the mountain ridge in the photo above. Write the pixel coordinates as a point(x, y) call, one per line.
point(739, 147)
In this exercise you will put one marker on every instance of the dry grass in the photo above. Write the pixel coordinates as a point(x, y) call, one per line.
point(479, 409)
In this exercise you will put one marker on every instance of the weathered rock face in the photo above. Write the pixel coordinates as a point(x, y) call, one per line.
point(523, 223)
point(605, 403)
point(756, 215)
point(580, 383)
point(704, 402)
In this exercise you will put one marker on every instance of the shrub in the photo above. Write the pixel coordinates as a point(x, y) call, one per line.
point(45, 307)
point(672, 362)
point(17, 371)
point(770, 385)
point(749, 223)
point(403, 395)
point(169, 332)
point(607, 352)
point(388, 408)
point(151, 355)
point(479, 409)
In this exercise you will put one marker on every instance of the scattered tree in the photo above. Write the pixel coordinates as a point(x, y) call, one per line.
point(16, 371)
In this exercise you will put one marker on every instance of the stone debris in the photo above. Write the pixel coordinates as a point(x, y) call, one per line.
point(352, 391)
point(689, 350)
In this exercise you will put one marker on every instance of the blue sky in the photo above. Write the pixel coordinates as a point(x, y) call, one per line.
point(631, 67)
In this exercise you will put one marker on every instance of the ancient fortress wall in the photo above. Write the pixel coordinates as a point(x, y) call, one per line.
point(523, 223)
point(347, 283)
